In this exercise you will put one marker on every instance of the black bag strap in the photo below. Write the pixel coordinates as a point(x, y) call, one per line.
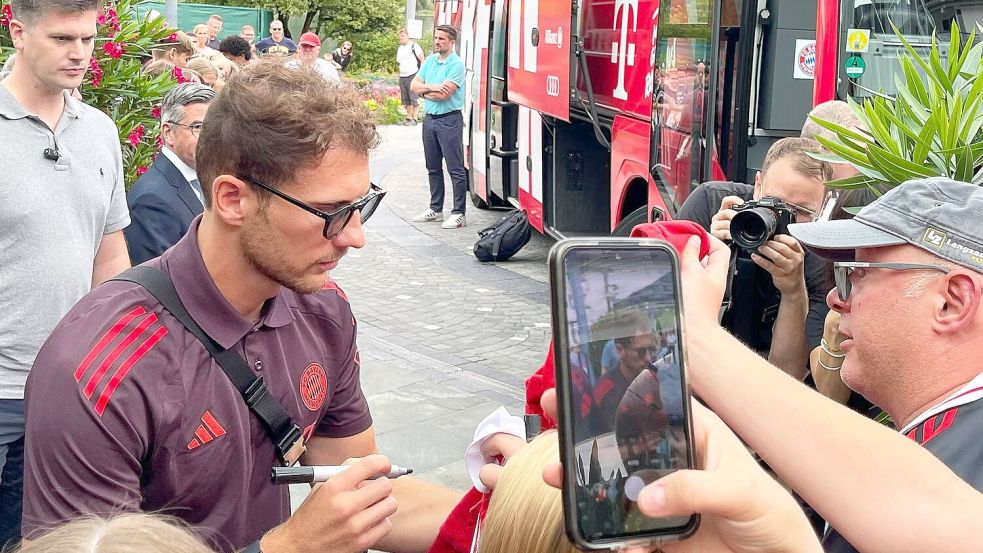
point(286, 435)
point(506, 222)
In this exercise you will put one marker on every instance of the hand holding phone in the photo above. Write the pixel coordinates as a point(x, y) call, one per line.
point(624, 402)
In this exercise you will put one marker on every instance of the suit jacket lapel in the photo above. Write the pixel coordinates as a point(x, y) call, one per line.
point(177, 180)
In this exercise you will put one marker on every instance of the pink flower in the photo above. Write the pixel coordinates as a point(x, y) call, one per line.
point(141, 170)
point(172, 38)
point(155, 113)
point(136, 135)
point(179, 75)
point(114, 50)
point(6, 14)
point(95, 71)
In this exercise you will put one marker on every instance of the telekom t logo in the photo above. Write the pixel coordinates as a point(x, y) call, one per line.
point(622, 52)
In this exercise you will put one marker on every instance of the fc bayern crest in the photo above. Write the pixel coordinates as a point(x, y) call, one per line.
point(806, 59)
point(314, 386)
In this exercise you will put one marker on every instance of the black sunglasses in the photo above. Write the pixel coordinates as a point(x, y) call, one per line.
point(843, 269)
point(337, 220)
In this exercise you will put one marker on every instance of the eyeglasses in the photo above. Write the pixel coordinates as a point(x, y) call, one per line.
point(843, 269)
point(195, 128)
point(803, 214)
point(337, 220)
point(641, 351)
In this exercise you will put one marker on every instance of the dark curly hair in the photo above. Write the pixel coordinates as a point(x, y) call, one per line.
point(236, 46)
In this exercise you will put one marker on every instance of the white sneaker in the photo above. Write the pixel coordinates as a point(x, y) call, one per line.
point(428, 216)
point(456, 220)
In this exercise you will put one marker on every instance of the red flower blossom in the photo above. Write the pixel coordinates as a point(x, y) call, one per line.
point(114, 50)
point(141, 170)
point(136, 135)
point(179, 75)
point(155, 113)
point(6, 14)
point(95, 72)
point(172, 37)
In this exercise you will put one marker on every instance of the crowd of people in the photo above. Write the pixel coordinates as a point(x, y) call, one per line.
point(177, 386)
point(200, 56)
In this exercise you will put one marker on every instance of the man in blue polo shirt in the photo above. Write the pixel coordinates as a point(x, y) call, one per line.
point(440, 82)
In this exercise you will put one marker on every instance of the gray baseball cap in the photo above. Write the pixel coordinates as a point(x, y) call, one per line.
point(938, 214)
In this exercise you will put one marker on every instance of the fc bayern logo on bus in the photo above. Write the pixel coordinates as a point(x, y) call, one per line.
point(806, 58)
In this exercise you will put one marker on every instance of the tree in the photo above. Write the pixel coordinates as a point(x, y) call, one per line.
point(114, 83)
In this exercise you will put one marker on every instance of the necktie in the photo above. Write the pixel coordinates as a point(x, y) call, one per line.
point(196, 186)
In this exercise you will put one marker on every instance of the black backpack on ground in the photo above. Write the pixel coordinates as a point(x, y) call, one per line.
point(503, 239)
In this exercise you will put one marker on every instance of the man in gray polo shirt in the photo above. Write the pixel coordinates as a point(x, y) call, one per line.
point(127, 411)
point(62, 205)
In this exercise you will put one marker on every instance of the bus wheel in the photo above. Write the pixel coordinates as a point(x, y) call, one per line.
point(478, 202)
point(636, 217)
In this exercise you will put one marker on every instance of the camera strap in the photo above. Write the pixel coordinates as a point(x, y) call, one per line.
point(286, 435)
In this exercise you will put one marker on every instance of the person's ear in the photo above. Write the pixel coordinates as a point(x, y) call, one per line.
point(167, 133)
point(957, 306)
point(757, 185)
point(232, 200)
point(17, 30)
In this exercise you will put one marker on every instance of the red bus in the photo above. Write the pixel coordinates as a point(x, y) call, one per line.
point(597, 115)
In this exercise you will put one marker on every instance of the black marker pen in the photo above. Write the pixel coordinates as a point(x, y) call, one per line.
point(321, 473)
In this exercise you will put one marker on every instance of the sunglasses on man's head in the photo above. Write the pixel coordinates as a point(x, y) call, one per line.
point(337, 220)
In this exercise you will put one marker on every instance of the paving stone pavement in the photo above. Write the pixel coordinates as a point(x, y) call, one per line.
point(443, 338)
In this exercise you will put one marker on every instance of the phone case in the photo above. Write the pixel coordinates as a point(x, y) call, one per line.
point(557, 274)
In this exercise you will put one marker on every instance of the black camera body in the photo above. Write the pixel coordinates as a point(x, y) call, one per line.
point(758, 221)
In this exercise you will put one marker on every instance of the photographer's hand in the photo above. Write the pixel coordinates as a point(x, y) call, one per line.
point(784, 258)
point(720, 223)
point(347, 514)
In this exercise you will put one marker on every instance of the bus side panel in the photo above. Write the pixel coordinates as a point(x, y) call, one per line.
point(629, 162)
point(539, 55)
point(618, 37)
point(531, 165)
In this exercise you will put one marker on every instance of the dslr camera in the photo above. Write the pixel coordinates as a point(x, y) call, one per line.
point(758, 221)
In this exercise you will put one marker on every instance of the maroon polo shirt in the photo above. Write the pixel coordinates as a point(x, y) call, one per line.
point(126, 411)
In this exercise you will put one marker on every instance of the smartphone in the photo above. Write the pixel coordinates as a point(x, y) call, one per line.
point(621, 385)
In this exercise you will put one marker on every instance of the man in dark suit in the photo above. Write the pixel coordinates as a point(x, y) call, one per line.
point(166, 198)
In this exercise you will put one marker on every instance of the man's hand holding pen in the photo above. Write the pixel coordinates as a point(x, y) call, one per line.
point(348, 513)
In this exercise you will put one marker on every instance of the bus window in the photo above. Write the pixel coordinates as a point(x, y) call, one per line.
point(683, 62)
point(869, 48)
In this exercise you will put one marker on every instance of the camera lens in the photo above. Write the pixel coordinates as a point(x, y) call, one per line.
point(750, 229)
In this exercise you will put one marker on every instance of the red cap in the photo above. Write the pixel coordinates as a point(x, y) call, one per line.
point(676, 233)
point(310, 39)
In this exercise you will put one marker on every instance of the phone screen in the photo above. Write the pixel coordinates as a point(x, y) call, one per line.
point(626, 393)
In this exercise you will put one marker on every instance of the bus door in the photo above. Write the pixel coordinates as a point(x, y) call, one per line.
point(682, 98)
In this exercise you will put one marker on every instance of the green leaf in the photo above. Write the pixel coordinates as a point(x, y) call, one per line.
point(899, 167)
point(851, 183)
point(965, 165)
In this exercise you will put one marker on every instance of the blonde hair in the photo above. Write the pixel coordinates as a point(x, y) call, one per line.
point(127, 533)
point(833, 111)
point(797, 149)
point(203, 67)
point(525, 513)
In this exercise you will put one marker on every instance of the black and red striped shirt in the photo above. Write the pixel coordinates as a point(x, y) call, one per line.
point(126, 411)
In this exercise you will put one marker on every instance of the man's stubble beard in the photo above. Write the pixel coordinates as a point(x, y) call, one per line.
point(262, 253)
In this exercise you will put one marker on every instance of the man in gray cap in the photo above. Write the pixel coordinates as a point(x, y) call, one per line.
point(909, 284)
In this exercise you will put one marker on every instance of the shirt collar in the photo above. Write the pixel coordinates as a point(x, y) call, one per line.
point(10, 108)
point(187, 172)
point(206, 304)
point(969, 393)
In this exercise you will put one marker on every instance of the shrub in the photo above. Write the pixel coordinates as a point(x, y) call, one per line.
point(114, 83)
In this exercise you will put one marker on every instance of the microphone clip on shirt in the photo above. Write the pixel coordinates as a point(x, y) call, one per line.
point(52, 153)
